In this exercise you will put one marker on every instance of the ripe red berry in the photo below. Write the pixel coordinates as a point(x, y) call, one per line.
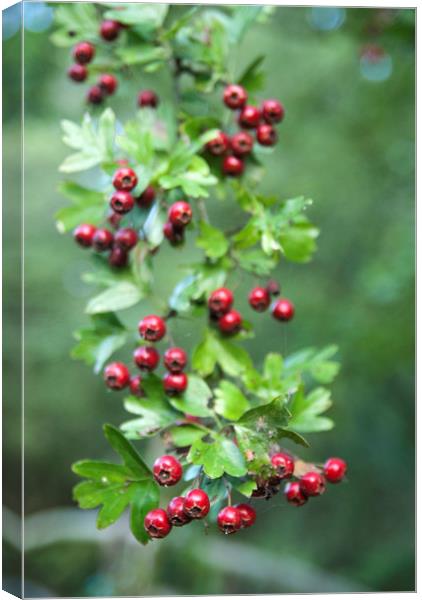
point(109, 30)
point(220, 301)
point(83, 53)
point(283, 310)
point(118, 257)
point(180, 214)
point(229, 520)
point(135, 385)
point(95, 95)
point(242, 143)
point(294, 494)
point(108, 83)
point(312, 484)
point(235, 96)
point(197, 504)
point(176, 513)
point(247, 515)
point(125, 179)
point(126, 238)
point(273, 287)
point(157, 524)
point(284, 465)
point(122, 202)
point(272, 111)
point(114, 219)
point(233, 166)
point(231, 322)
point(146, 358)
point(175, 235)
point(116, 376)
point(266, 135)
point(175, 360)
point(146, 198)
point(77, 72)
point(218, 145)
point(167, 470)
point(152, 328)
point(175, 383)
point(335, 469)
point(259, 299)
point(83, 235)
point(102, 240)
point(148, 98)
point(249, 117)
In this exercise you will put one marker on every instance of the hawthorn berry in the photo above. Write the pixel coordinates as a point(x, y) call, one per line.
point(157, 524)
point(122, 202)
point(249, 117)
point(266, 135)
point(125, 179)
point(95, 95)
point(167, 470)
point(102, 240)
point(294, 494)
point(335, 470)
point(175, 359)
point(176, 513)
point(273, 287)
point(83, 53)
point(196, 504)
point(235, 96)
point(114, 219)
point(148, 98)
point(283, 310)
point(231, 322)
point(84, 234)
point(312, 484)
point(247, 515)
point(135, 385)
point(146, 358)
point(152, 328)
point(109, 30)
point(118, 257)
point(219, 145)
point(241, 143)
point(175, 235)
point(272, 111)
point(77, 72)
point(259, 299)
point(266, 488)
point(116, 376)
point(229, 520)
point(233, 166)
point(175, 383)
point(146, 198)
point(220, 301)
point(126, 238)
point(284, 465)
point(108, 83)
point(180, 214)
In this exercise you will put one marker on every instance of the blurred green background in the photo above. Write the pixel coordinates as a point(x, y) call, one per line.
point(347, 142)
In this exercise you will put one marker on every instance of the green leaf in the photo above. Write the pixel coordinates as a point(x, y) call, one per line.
point(194, 401)
point(317, 363)
point(183, 436)
point(141, 54)
point(229, 401)
point(298, 242)
point(247, 487)
point(203, 279)
point(119, 296)
point(253, 77)
point(204, 357)
point(233, 359)
point(130, 457)
point(146, 17)
point(101, 471)
point(194, 127)
point(243, 18)
point(256, 261)
point(212, 240)
point(78, 18)
point(146, 497)
point(153, 226)
point(218, 457)
point(306, 411)
point(273, 368)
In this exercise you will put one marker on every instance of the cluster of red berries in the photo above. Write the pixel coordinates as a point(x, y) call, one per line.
point(100, 239)
point(236, 148)
point(260, 299)
point(179, 216)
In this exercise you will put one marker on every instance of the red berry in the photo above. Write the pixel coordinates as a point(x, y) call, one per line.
point(108, 83)
point(335, 469)
point(233, 166)
point(219, 145)
point(180, 214)
point(175, 235)
point(118, 257)
point(231, 322)
point(283, 310)
point(249, 117)
point(152, 328)
point(116, 376)
point(125, 179)
point(294, 494)
point(109, 30)
point(312, 484)
point(84, 234)
point(235, 96)
point(167, 470)
point(259, 299)
point(175, 383)
point(273, 287)
point(122, 202)
point(266, 135)
point(95, 95)
point(176, 513)
point(242, 143)
point(148, 98)
point(126, 238)
point(135, 385)
point(114, 219)
point(283, 464)
point(146, 358)
point(157, 524)
point(220, 301)
point(77, 72)
point(197, 504)
point(247, 515)
point(229, 520)
point(83, 53)
point(272, 111)
point(175, 359)
point(146, 198)
point(102, 240)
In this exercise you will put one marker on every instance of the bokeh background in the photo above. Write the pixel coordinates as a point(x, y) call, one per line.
point(347, 80)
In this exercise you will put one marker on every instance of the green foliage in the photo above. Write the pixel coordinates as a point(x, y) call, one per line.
point(218, 457)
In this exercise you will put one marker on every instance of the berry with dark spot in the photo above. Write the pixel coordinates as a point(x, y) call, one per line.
point(83, 53)
point(235, 96)
point(220, 301)
point(283, 310)
point(229, 520)
point(176, 513)
point(249, 117)
point(147, 197)
point(175, 359)
point(272, 111)
point(167, 470)
point(77, 72)
point(116, 376)
point(108, 83)
point(102, 240)
point(174, 235)
point(283, 464)
point(84, 234)
point(126, 238)
point(95, 95)
point(242, 143)
point(219, 145)
point(233, 166)
point(135, 386)
point(122, 202)
point(157, 524)
point(146, 358)
point(259, 299)
point(335, 470)
point(180, 214)
point(118, 258)
point(175, 383)
point(266, 135)
point(294, 494)
point(148, 98)
point(312, 484)
point(231, 322)
point(125, 179)
point(152, 328)
point(196, 504)
point(109, 30)
point(247, 515)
